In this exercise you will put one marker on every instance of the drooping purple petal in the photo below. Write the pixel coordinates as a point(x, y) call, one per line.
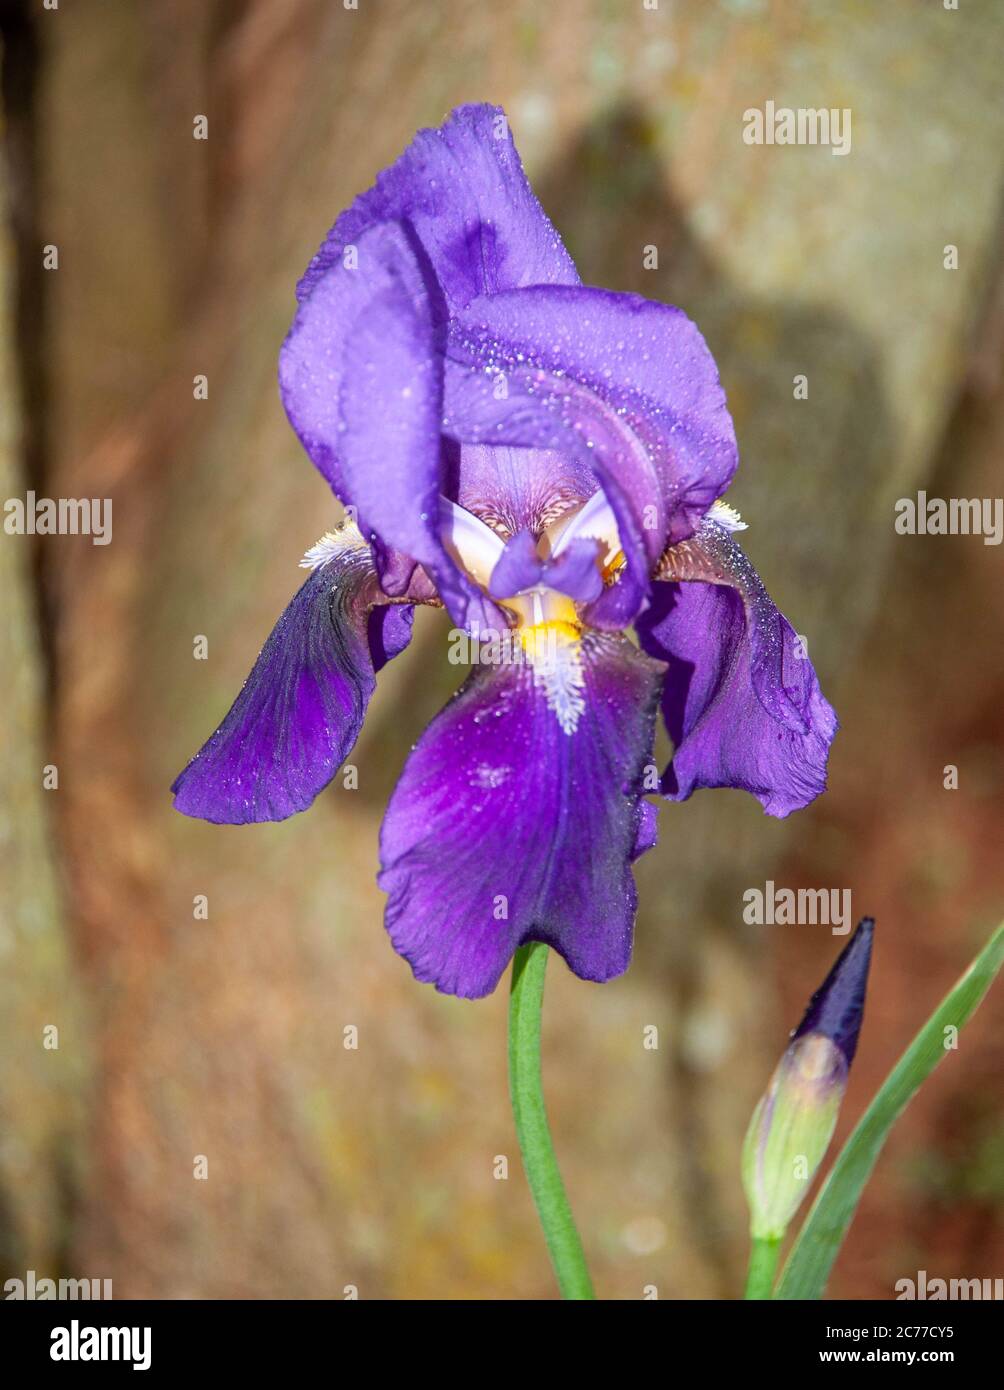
point(504, 828)
point(623, 385)
point(648, 830)
point(462, 190)
point(389, 631)
point(741, 700)
point(302, 706)
point(837, 1008)
point(361, 379)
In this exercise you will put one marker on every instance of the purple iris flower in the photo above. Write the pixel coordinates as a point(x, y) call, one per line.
point(546, 461)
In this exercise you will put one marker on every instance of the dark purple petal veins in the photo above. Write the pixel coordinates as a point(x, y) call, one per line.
point(514, 490)
point(302, 706)
point(741, 702)
point(463, 193)
point(505, 828)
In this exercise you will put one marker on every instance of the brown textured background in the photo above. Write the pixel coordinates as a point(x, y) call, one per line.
point(223, 1037)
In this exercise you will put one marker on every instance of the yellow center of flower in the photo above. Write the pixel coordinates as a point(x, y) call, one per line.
point(553, 649)
point(542, 608)
point(541, 641)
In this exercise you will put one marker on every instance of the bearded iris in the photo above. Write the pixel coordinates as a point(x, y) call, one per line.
point(534, 455)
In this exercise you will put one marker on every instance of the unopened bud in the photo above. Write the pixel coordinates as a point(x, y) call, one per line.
point(794, 1121)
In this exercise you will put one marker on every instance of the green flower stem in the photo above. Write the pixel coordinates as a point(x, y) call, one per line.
point(526, 1092)
point(762, 1267)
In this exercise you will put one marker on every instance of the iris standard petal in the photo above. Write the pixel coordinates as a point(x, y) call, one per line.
point(462, 189)
point(619, 382)
point(505, 828)
point(302, 706)
point(741, 699)
point(361, 379)
point(313, 359)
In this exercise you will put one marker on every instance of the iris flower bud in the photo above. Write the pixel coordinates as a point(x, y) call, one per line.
point(794, 1121)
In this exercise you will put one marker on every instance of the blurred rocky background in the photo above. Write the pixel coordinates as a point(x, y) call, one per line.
point(223, 1038)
